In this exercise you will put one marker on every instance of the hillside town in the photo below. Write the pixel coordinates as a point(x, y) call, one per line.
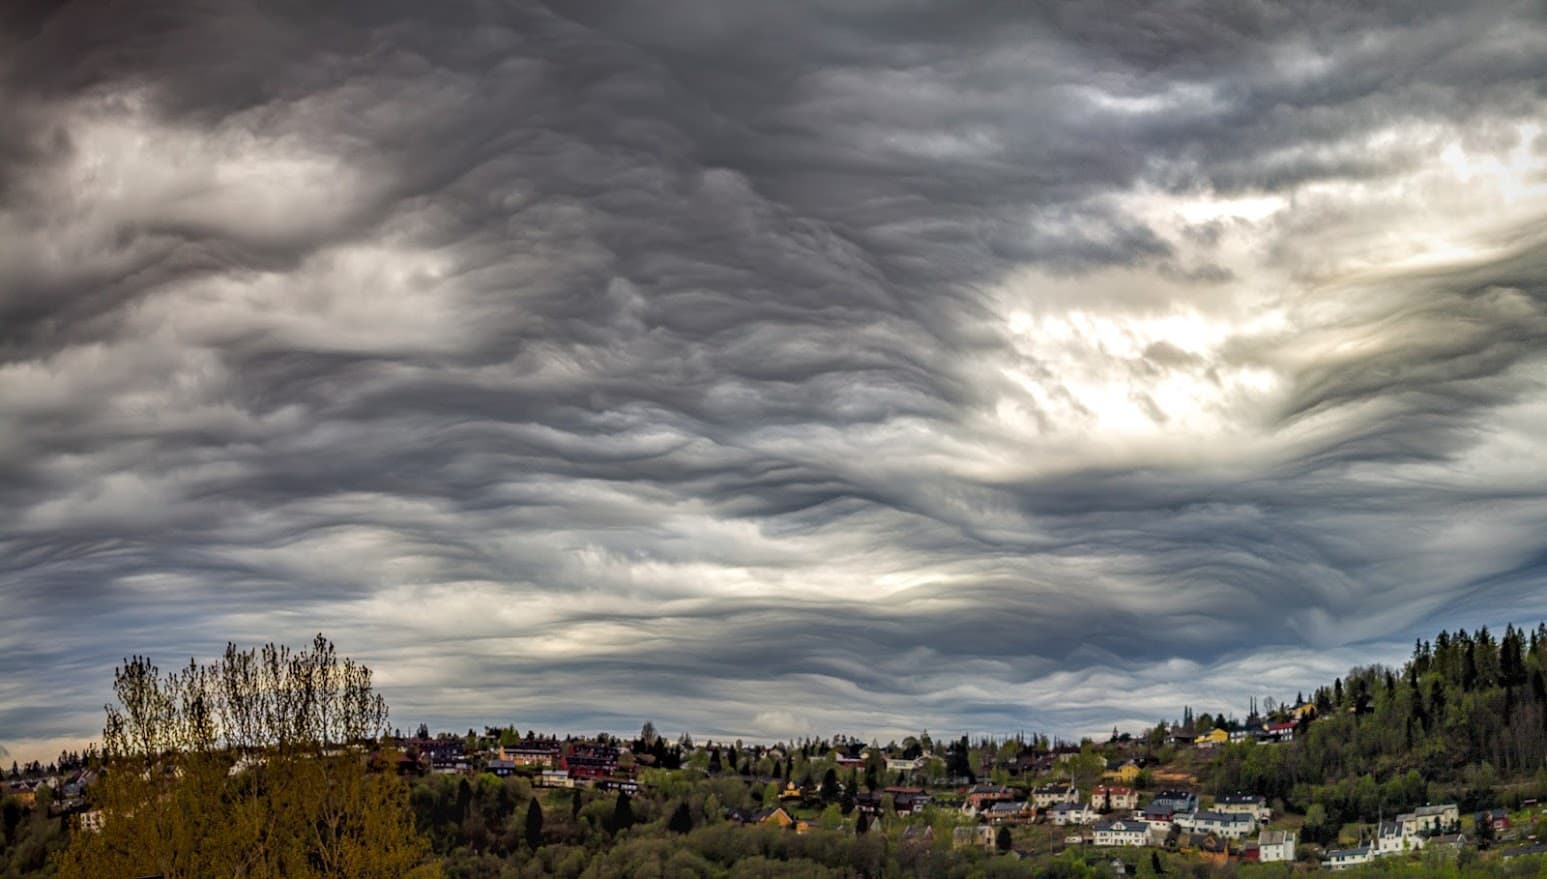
point(1016, 798)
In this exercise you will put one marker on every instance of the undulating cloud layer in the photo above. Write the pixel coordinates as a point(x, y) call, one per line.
point(768, 368)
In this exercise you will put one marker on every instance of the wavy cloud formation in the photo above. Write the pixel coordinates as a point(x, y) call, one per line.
point(769, 368)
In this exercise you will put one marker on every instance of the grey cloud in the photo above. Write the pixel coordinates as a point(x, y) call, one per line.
point(672, 349)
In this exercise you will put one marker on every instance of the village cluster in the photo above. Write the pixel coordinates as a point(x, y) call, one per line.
point(1111, 813)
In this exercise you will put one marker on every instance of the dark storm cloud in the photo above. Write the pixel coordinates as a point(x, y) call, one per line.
point(807, 365)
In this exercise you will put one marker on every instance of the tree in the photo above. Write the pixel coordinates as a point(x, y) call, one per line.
point(829, 789)
point(254, 765)
point(681, 820)
point(622, 813)
point(534, 825)
point(1003, 841)
point(574, 803)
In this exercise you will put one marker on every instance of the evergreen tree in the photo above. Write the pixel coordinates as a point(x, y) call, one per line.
point(622, 813)
point(534, 825)
point(1003, 841)
point(681, 820)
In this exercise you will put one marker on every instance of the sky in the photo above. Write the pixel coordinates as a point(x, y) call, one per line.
point(768, 369)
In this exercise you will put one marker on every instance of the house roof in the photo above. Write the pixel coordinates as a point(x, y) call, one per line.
point(1336, 853)
point(1121, 826)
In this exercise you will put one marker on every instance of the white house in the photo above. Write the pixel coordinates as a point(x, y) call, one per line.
point(902, 764)
point(1275, 845)
point(1342, 859)
point(1049, 795)
point(1226, 825)
point(1065, 814)
point(1245, 804)
point(1114, 833)
point(1391, 839)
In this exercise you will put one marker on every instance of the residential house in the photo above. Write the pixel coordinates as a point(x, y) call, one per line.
point(981, 796)
point(1211, 847)
point(590, 760)
point(618, 785)
point(1065, 814)
point(1048, 795)
point(980, 835)
point(1112, 797)
point(1226, 825)
point(1243, 734)
point(908, 800)
point(1446, 843)
point(1159, 819)
point(1343, 858)
point(1122, 773)
point(1498, 819)
point(1303, 710)
point(1392, 839)
point(1275, 846)
point(1116, 833)
point(532, 753)
point(1524, 850)
point(905, 764)
point(554, 778)
point(1176, 801)
point(25, 792)
point(1282, 731)
point(776, 817)
point(1426, 820)
point(1244, 804)
point(1012, 812)
point(1213, 738)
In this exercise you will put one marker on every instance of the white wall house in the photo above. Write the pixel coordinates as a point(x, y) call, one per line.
point(1276, 846)
point(1226, 825)
point(1342, 859)
point(1115, 833)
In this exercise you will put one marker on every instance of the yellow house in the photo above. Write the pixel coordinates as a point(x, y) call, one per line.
point(778, 817)
point(1213, 737)
point(1127, 773)
point(1303, 710)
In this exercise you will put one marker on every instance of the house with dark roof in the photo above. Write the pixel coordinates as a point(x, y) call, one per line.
point(1176, 801)
point(1121, 833)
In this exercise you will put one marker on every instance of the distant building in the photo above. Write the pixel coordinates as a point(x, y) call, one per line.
point(1275, 846)
point(1176, 801)
point(1342, 859)
point(1121, 833)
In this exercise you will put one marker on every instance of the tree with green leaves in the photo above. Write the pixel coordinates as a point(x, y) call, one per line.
point(1003, 840)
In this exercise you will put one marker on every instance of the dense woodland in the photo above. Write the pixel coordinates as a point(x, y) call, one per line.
point(1462, 720)
point(1465, 720)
